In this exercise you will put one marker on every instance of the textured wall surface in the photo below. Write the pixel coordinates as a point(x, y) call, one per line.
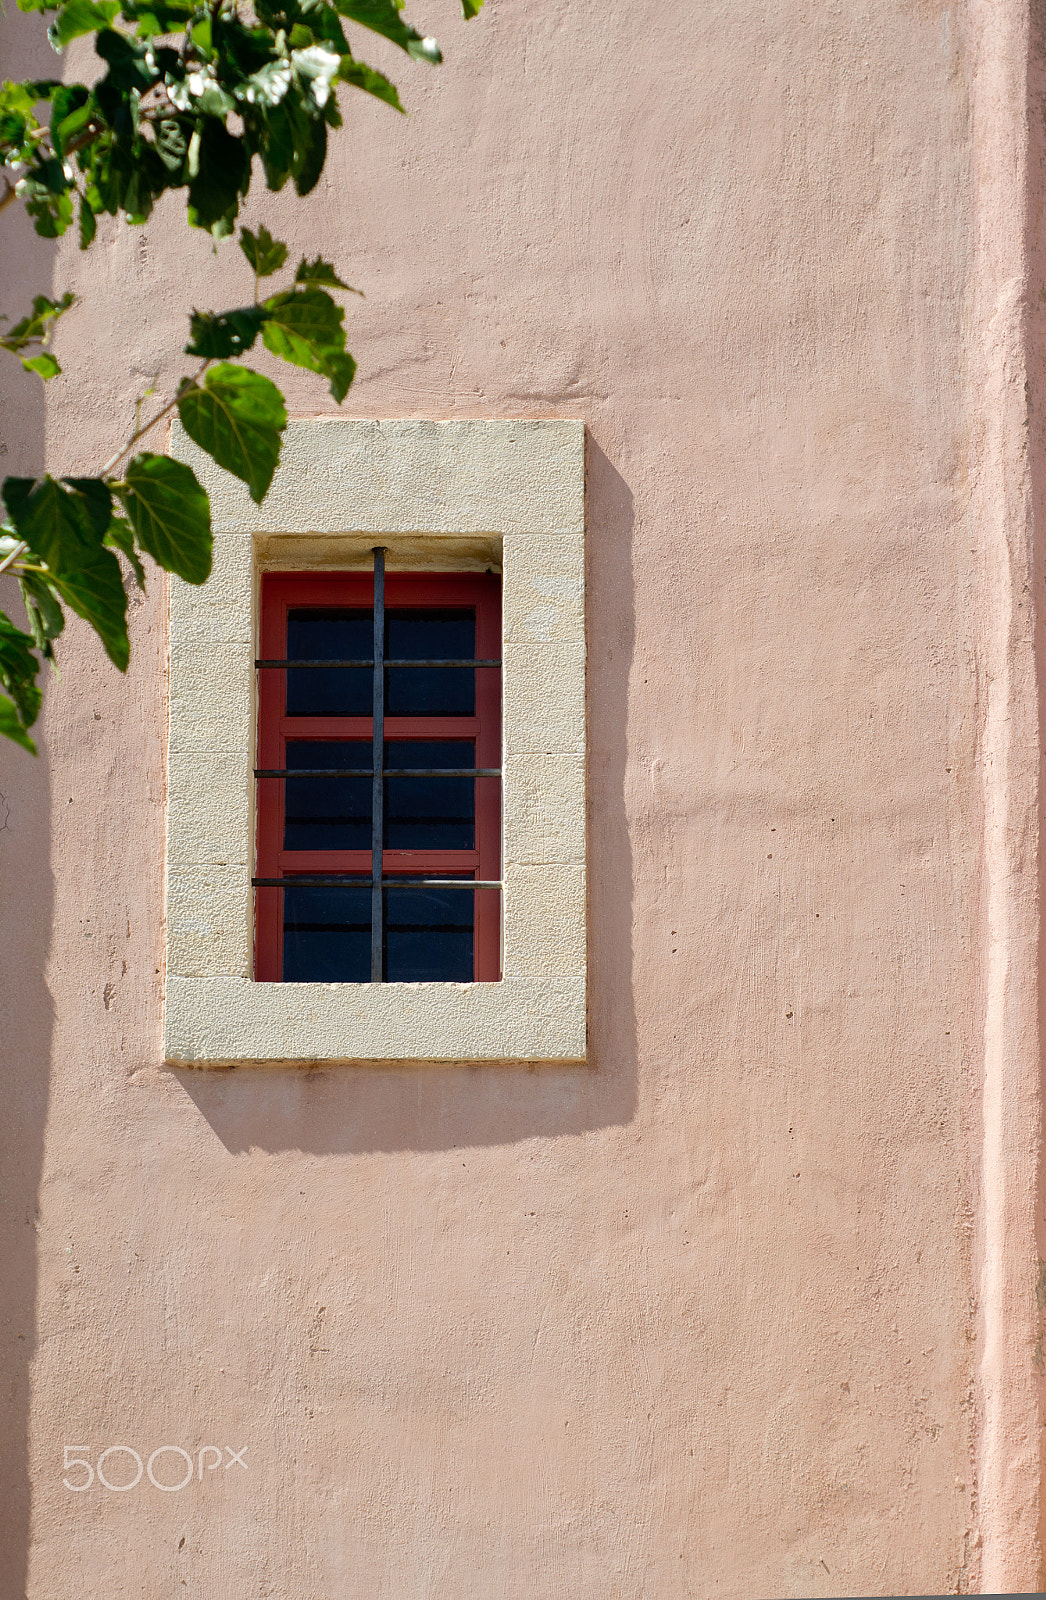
point(746, 1306)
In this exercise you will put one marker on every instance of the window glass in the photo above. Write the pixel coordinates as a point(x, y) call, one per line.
point(327, 813)
point(430, 813)
point(417, 635)
point(428, 935)
point(315, 633)
point(326, 935)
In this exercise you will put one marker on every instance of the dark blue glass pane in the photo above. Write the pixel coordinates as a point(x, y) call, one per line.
point(430, 813)
point(317, 634)
point(428, 935)
point(326, 935)
point(430, 636)
point(327, 813)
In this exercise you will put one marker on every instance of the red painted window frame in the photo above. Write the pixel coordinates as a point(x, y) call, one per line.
point(282, 590)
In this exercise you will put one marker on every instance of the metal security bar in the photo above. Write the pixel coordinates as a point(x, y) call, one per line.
point(369, 663)
point(368, 772)
point(377, 819)
point(360, 881)
point(378, 773)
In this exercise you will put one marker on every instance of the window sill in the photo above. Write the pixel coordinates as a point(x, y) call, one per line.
point(228, 1021)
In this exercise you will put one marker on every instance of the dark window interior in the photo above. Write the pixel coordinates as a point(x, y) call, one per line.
point(326, 935)
point(321, 826)
point(315, 634)
point(430, 813)
point(430, 636)
point(428, 935)
point(327, 813)
point(335, 634)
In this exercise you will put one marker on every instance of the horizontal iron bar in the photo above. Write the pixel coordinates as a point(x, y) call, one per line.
point(361, 882)
point(345, 664)
point(368, 772)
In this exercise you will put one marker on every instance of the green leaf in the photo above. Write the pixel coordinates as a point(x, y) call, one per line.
point(224, 173)
point(10, 723)
point(88, 223)
point(371, 82)
point(320, 271)
point(304, 327)
point(292, 142)
point(51, 213)
point(310, 152)
point(225, 333)
point(44, 364)
point(36, 327)
point(237, 416)
point(158, 16)
point(18, 97)
point(62, 522)
point(120, 537)
point(471, 8)
point(171, 144)
point(306, 314)
point(266, 87)
point(95, 591)
point(18, 669)
point(128, 60)
point(81, 16)
point(340, 369)
point(46, 619)
point(265, 254)
point(96, 498)
point(383, 16)
point(203, 35)
point(170, 514)
point(70, 114)
point(316, 69)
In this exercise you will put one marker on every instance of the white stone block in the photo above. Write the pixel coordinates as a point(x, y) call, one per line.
point(544, 699)
point(544, 921)
point(208, 922)
point(544, 590)
point(544, 809)
point(210, 818)
point(222, 1020)
point(338, 475)
point(216, 610)
point(212, 700)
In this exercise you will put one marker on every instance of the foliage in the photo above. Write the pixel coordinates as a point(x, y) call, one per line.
point(201, 98)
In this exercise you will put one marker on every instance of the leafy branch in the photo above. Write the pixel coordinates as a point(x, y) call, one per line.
point(190, 97)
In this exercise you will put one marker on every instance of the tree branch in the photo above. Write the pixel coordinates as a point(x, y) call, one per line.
point(82, 140)
point(137, 434)
point(9, 560)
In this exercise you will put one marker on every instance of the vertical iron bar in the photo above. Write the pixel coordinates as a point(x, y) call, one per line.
point(377, 836)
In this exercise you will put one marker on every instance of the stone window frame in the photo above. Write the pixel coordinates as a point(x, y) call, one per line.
point(446, 495)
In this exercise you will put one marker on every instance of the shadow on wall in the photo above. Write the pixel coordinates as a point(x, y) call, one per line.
point(334, 1110)
point(26, 906)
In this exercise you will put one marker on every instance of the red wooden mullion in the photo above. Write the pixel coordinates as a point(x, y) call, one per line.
point(281, 592)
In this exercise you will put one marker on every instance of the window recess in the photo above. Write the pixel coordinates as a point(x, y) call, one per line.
point(379, 778)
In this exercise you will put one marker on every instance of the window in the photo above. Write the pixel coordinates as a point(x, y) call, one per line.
point(392, 687)
point(258, 972)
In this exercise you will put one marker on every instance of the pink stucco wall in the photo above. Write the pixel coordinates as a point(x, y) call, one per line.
point(746, 1307)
